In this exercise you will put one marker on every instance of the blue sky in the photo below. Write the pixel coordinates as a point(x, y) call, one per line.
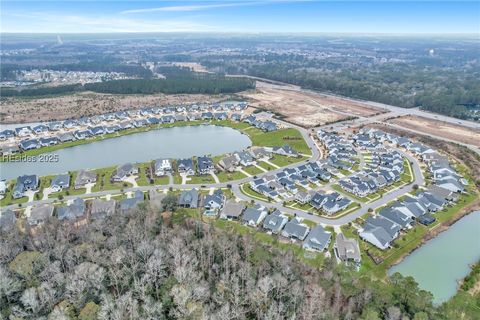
point(249, 16)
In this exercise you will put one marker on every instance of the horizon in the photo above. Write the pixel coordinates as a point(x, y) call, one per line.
point(242, 17)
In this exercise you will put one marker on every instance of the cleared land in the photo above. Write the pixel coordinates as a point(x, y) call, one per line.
point(306, 109)
point(440, 129)
point(33, 109)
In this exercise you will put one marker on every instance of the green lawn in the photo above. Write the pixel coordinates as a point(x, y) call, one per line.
point(230, 176)
point(247, 190)
point(252, 170)
point(283, 161)
point(277, 138)
point(103, 181)
point(203, 179)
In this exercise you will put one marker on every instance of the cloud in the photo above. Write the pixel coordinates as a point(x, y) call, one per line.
point(187, 7)
point(184, 8)
point(47, 22)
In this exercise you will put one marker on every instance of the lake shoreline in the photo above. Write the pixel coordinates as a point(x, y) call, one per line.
point(462, 213)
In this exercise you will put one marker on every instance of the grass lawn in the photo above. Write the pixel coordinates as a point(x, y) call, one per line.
point(177, 179)
point(252, 170)
point(204, 179)
point(245, 188)
point(230, 176)
point(277, 138)
point(103, 181)
point(283, 161)
point(144, 170)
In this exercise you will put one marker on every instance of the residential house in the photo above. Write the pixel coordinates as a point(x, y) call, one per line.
point(229, 163)
point(376, 236)
point(318, 239)
point(275, 222)
point(185, 166)
point(347, 249)
point(23, 131)
point(25, 183)
point(295, 229)
point(189, 199)
point(245, 158)
point(254, 216)
point(129, 204)
point(213, 203)
point(60, 182)
point(163, 167)
point(85, 177)
point(205, 165)
point(29, 144)
point(73, 211)
point(286, 150)
point(124, 171)
point(232, 210)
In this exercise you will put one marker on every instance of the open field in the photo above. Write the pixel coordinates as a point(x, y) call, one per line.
point(440, 128)
point(34, 109)
point(305, 108)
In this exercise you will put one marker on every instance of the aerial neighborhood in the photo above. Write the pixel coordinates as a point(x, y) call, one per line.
point(378, 185)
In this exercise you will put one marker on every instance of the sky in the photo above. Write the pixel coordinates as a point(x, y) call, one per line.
point(241, 16)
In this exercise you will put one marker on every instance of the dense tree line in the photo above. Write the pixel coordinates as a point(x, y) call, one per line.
point(41, 91)
point(151, 266)
point(208, 84)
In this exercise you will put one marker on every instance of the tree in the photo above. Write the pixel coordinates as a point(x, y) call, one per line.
point(169, 203)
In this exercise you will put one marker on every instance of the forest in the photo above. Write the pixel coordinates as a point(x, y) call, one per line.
point(153, 265)
point(207, 84)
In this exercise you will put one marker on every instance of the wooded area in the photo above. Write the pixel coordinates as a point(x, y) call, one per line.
point(149, 266)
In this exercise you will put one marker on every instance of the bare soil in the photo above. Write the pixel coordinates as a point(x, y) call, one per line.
point(307, 109)
point(439, 128)
point(18, 110)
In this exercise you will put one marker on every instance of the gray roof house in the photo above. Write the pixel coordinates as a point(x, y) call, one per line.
point(85, 177)
point(205, 165)
point(376, 236)
point(25, 183)
point(214, 202)
point(318, 239)
point(254, 216)
point(397, 216)
point(60, 182)
point(185, 166)
point(124, 171)
point(390, 227)
point(347, 249)
point(189, 199)
point(131, 203)
point(102, 208)
point(232, 210)
point(40, 214)
point(229, 163)
point(295, 229)
point(275, 222)
point(286, 150)
point(72, 211)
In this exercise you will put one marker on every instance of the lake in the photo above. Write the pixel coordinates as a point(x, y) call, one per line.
point(444, 260)
point(175, 142)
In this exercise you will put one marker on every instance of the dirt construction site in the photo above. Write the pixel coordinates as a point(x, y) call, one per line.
point(440, 129)
point(307, 109)
point(18, 110)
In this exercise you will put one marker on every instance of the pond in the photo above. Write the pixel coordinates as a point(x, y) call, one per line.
point(176, 142)
point(440, 263)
